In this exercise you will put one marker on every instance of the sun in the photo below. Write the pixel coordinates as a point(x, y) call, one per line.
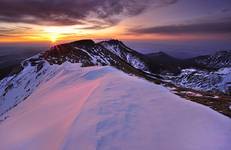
point(53, 37)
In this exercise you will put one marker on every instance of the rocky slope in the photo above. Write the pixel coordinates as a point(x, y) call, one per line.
point(221, 59)
point(207, 73)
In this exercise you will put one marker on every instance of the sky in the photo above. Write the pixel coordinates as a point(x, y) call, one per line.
point(35, 21)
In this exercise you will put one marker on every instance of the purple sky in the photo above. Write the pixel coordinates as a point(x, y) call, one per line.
point(196, 22)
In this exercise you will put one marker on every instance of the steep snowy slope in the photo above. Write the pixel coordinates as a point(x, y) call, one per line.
point(102, 108)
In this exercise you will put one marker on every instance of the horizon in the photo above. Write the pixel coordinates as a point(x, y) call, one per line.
point(178, 49)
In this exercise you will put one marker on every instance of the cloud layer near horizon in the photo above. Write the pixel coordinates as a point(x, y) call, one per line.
point(223, 27)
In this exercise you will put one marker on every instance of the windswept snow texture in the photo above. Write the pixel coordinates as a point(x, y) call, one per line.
point(101, 108)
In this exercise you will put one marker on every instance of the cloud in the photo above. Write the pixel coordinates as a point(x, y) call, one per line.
point(72, 12)
point(13, 30)
point(197, 28)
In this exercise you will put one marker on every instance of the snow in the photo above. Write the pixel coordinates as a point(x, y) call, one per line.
point(225, 84)
point(15, 89)
point(216, 97)
point(101, 108)
point(127, 56)
point(224, 71)
point(189, 70)
point(135, 62)
point(203, 80)
point(113, 48)
point(189, 93)
point(92, 58)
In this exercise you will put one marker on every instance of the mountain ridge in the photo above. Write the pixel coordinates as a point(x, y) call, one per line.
point(158, 65)
point(159, 68)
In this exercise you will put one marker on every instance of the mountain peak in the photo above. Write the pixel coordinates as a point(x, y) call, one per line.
point(89, 53)
point(112, 41)
point(85, 42)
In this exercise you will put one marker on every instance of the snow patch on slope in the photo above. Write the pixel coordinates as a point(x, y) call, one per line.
point(203, 80)
point(128, 56)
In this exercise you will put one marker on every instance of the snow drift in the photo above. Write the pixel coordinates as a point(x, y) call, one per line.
point(105, 109)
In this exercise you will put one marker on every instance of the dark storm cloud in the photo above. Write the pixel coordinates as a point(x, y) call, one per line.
point(199, 28)
point(71, 12)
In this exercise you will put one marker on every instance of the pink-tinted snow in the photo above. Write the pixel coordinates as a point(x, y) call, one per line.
point(102, 108)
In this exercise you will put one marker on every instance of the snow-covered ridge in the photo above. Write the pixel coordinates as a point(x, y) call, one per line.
point(102, 108)
point(44, 66)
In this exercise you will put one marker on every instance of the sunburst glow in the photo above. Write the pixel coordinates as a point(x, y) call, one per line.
point(54, 37)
